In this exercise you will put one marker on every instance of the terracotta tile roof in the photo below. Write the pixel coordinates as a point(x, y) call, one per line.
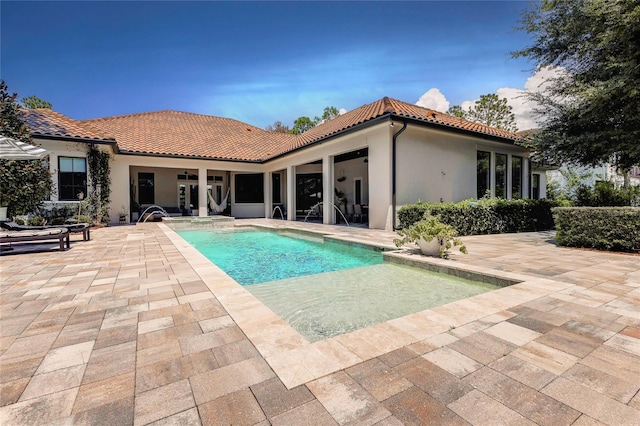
point(192, 135)
point(202, 136)
point(49, 123)
point(397, 109)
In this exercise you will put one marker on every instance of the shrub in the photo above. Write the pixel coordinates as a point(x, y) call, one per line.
point(412, 213)
point(485, 216)
point(57, 221)
point(603, 228)
point(606, 194)
point(36, 221)
point(78, 219)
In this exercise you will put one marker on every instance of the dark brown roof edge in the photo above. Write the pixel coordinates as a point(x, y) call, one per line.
point(50, 136)
point(189, 157)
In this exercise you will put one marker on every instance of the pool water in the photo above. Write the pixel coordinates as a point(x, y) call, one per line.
point(252, 257)
point(324, 288)
point(333, 303)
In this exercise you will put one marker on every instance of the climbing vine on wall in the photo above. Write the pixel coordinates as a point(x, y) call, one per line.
point(100, 184)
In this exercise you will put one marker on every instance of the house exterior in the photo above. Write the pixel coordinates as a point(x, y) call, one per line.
point(382, 155)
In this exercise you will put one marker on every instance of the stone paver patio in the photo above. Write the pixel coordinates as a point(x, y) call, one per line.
point(136, 327)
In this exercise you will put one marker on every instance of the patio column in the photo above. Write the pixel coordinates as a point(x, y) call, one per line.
point(291, 193)
point(327, 190)
point(202, 192)
point(268, 194)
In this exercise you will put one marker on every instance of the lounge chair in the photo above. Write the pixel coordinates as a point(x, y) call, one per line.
point(59, 233)
point(73, 228)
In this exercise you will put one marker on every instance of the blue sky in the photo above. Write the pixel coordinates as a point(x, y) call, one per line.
point(257, 62)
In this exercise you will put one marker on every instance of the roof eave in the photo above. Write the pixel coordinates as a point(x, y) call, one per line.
point(356, 127)
point(454, 129)
point(398, 117)
point(188, 157)
point(73, 139)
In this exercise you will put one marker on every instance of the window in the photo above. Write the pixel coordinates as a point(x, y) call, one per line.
point(72, 178)
point(535, 186)
point(501, 175)
point(250, 188)
point(146, 194)
point(308, 190)
point(516, 177)
point(357, 191)
point(483, 168)
point(193, 196)
point(275, 183)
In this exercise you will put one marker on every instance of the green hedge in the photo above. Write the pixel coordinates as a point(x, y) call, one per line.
point(603, 228)
point(485, 216)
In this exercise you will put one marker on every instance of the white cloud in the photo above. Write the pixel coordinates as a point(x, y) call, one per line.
point(523, 106)
point(466, 105)
point(516, 98)
point(434, 99)
point(342, 111)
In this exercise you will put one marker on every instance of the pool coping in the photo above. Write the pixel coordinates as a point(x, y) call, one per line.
point(296, 361)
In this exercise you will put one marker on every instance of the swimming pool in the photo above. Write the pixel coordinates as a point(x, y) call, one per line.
point(258, 256)
point(324, 288)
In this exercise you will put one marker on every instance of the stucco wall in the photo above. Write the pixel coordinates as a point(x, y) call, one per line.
point(435, 166)
point(56, 149)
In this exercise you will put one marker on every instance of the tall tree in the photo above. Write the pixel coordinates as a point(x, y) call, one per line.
point(277, 126)
point(493, 111)
point(302, 124)
point(591, 112)
point(33, 102)
point(24, 185)
point(456, 110)
point(329, 113)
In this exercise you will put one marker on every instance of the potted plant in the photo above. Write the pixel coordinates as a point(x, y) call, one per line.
point(432, 236)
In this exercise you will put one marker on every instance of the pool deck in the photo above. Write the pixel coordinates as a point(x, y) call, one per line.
point(136, 327)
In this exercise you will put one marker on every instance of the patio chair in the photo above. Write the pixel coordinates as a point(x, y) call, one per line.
point(351, 215)
point(360, 213)
point(51, 233)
